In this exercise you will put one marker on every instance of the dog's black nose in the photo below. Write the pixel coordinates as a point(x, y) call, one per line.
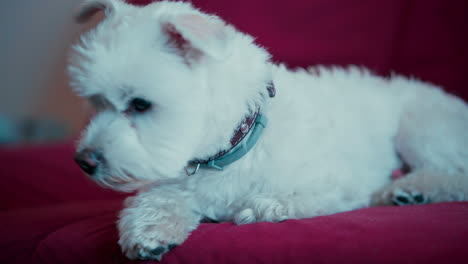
point(88, 160)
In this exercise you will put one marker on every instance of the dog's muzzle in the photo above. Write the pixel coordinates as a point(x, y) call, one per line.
point(89, 160)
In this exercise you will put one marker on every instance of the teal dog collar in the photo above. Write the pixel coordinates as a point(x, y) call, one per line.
point(244, 139)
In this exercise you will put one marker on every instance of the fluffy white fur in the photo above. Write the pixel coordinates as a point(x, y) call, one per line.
point(333, 138)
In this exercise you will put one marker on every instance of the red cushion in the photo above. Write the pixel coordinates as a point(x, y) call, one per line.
point(86, 233)
point(44, 174)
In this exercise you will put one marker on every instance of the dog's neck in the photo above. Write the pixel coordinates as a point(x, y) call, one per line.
point(244, 138)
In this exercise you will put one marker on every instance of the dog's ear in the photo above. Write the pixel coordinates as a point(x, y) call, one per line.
point(197, 35)
point(90, 7)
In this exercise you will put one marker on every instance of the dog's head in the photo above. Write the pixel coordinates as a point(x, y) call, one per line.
point(169, 84)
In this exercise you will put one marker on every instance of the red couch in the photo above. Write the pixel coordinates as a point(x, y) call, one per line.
point(51, 213)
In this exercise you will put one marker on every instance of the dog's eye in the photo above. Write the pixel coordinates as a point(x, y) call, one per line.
point(140, 105)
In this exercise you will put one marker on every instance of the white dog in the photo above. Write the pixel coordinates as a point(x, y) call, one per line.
point(187, 115)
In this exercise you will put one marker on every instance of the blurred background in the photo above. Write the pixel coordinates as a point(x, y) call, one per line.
point(35, 102)
point(427, 39)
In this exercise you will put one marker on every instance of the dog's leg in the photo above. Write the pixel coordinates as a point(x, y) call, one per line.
point(263, 208)
point(420, 187)
point(154, 222)
point(433, 140)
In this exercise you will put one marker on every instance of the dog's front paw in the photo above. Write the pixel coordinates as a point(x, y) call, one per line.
point(146, 252)
point(150, 237)
point(263, 209)
point(149, 232)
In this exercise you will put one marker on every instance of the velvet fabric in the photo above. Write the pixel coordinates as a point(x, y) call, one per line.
point(426, 39)
point(51, 213)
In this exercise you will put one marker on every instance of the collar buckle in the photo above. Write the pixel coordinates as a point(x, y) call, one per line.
point(190, 173)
